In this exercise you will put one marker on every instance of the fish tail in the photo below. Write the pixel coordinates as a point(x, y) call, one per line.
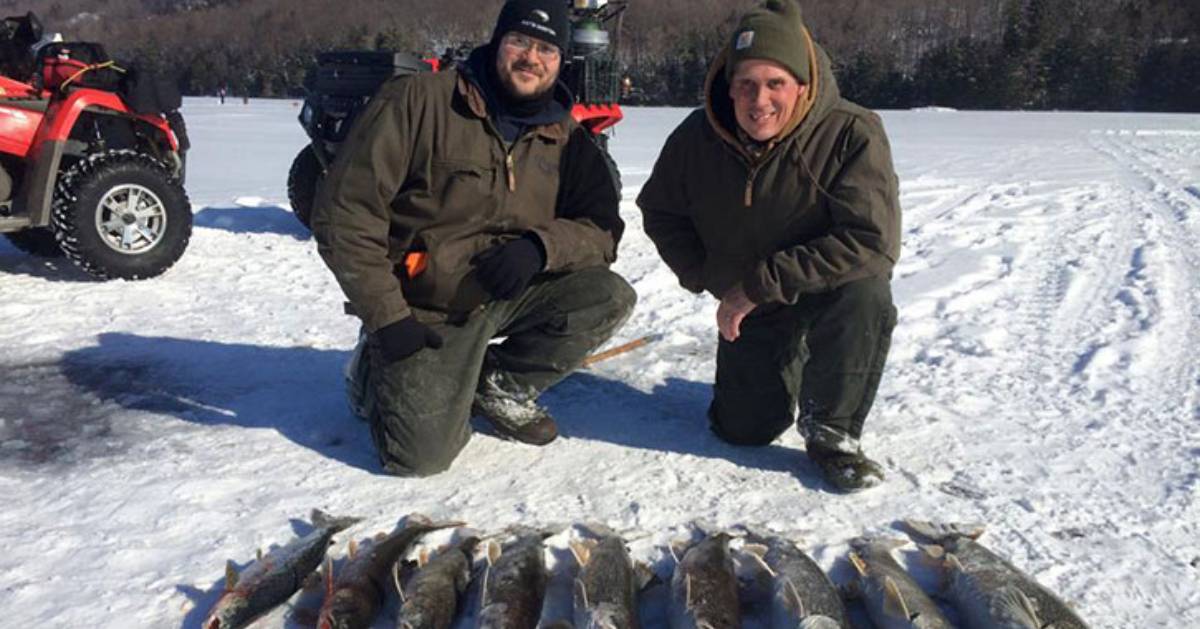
point(939, 532)
point(323, 520)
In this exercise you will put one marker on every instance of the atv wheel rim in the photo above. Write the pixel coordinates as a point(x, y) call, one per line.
point(131, 219)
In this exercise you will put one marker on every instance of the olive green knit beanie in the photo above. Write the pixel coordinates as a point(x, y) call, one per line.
point(773, 31)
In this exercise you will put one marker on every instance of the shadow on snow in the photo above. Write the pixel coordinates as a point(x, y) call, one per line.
point(264, 219)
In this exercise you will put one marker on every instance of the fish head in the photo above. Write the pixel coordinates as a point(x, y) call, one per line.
point(231, 610)
point(341, 612)
point(607, 616)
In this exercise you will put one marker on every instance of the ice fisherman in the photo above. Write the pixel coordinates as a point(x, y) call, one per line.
point(468, 205)
point(779, 198)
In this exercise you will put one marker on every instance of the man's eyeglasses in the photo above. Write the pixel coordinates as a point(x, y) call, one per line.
point(521, 43)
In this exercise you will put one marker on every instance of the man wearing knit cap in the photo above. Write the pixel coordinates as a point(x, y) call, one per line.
point(780, 200)
point(464, 206)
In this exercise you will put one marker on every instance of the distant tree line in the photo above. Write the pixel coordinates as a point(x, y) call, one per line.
point(993, 54)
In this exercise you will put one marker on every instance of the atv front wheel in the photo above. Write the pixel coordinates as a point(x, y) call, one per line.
point(122, 214)
point(38, 241)
point(306, 173)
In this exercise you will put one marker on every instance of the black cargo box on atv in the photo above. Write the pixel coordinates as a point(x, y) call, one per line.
point(341, 84)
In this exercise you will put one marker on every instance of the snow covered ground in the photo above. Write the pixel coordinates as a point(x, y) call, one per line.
point(1043, 381)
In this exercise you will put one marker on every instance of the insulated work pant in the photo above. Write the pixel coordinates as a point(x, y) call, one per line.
point(824, 353)
point(419, 408)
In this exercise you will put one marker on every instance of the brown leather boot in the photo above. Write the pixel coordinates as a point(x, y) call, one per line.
point(514, 416)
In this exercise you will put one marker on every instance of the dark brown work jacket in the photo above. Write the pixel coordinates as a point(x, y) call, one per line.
point(424, 170)
point(819, 208)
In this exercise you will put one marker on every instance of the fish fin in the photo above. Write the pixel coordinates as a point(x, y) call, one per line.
point(1019, 605)
point(422, 557)
point(860, 566)
point(581, 591)
point(758, 553)
point(789, 589)
point(940, 532)
point(396, 581)
point(933, 552)
point(352, 549)
point(231, 575)
point(893, 599)
point(328, 576)
point(258, 554)
point(493, 552)
point(677, 549)
point(645, 575)
point(417, 519)
point(581, 550)
point(323, 520)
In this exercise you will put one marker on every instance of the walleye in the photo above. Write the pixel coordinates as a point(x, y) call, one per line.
point(892, 598)
point(514, 584)
point(704, 587)
point(606, 589)
point(987, 590)
point(353, 601)
point(800, 590)
point(431, 597)
point(273, 577)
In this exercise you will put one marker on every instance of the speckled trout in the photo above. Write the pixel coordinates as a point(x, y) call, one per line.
point(272, 578)
point(893, 600)
point(606, 590)
point(988, 591)
point(432, 596)
point(514, 584)
point(801, 594)
point(704, 593)
point(356, 596)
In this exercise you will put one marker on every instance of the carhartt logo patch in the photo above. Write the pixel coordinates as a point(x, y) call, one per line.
point(744, 40)
point(541, 16)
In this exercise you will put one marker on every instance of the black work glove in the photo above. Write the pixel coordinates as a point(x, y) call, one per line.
point(506, 269)
point(406, 337)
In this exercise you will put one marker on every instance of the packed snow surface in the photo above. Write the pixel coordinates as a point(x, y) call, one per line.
point(1043, 381)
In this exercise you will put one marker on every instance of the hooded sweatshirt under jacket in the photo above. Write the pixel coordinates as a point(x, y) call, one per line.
point(818, 209)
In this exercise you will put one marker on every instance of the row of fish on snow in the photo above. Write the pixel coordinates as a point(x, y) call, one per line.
point(714, 580)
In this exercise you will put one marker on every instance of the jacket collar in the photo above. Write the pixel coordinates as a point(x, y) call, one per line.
point(476, 102)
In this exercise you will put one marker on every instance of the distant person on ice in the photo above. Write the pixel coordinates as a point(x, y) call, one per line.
point(467, 205)
point(779, 198)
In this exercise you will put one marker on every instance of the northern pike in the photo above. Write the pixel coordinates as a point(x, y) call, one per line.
point(800, 591)
point(356, 596)
point(606, 590)
point(432, 596)
point(514, 584)
point(987, 590)
point(273, 578)
point(893, 600)
point(704, 593)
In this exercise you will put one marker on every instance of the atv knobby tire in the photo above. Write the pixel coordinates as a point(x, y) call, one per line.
point(303, 178)
point(121, 214)
point(38, 241)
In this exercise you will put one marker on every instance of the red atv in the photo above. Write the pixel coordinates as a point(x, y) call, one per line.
point(342, 83)
point(91, 157)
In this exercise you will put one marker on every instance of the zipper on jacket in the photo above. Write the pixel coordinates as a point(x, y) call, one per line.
point(510, 169)
point(748, 197)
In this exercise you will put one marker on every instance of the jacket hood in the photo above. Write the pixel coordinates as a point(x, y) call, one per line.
point(816, 103)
